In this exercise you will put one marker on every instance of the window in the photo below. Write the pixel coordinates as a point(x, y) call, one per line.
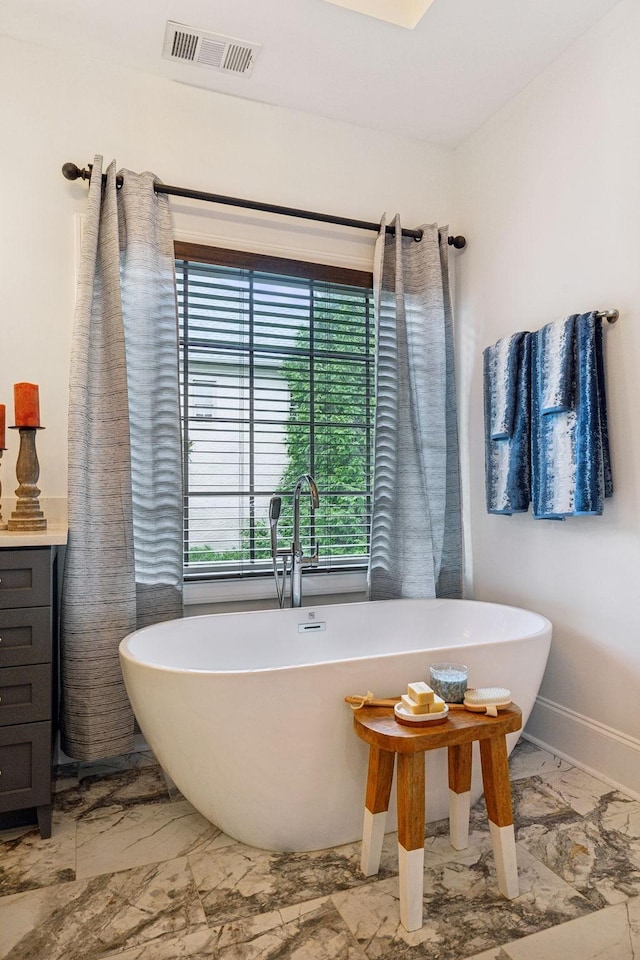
point(277, 379)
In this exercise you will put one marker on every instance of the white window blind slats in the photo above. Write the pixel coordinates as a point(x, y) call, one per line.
point(276, 380)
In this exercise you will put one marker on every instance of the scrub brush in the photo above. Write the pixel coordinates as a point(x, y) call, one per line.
point(487, 700)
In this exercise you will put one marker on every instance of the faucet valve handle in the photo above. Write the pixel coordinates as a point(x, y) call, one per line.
point(312, 560)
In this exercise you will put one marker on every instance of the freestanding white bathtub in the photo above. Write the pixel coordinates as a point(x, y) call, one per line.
point(245, 711)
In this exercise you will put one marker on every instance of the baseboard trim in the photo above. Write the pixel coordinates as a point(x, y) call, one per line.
point(603, 751)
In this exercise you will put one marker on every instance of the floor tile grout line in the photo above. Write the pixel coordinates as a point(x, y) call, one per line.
point(198, 894)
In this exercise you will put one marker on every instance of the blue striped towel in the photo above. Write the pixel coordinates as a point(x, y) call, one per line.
point(570, 461)
point(507, 389)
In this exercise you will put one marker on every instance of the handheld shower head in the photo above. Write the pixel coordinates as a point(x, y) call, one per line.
point(275, 503)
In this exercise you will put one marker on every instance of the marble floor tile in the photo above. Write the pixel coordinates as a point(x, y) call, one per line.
point(144, 834)
point(128, 761)
point(28, 862)
point(90, 919)
point(438, 849)
point(578, 789)
point(602, 863)
point(98, 795)
point(174, 793)
point(13, 833)
point(67, 768)
point(528, 760)
point(464, 913)
point(309, 931)
point(534, 801)
point(65, 771)
point(496, 953)
point(604, 935)
point(619, 812)
point(633, 912)
point(240, 881)
point(79, 769)
point(155, 881)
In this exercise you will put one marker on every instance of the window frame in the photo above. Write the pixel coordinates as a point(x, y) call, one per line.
point(257, 584)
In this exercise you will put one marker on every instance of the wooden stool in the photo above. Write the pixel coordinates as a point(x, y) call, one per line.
point(386, 738)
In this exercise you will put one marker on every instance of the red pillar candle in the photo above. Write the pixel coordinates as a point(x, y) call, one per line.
point(27, 404)
point(3, 421)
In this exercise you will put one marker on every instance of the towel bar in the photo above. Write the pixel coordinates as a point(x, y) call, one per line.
point(609, 315)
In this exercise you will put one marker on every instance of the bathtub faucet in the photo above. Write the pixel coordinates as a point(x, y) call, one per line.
point(295, 552)
point(299, 560)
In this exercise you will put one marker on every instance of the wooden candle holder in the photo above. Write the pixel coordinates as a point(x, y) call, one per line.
point(27, 514)
point(3, 524)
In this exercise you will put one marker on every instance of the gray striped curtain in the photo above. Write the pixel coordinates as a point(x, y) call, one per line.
point(123, 566)
point(416, 526)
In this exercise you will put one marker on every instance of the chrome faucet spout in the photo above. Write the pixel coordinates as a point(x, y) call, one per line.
point(297, 555)
point(298, 560)
point(315, 500)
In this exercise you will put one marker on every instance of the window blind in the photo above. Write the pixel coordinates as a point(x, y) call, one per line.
point(277, 379)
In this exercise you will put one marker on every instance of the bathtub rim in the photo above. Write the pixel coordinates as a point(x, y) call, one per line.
point(125, 653)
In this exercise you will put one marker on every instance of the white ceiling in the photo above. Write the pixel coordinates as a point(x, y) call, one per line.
point(437, 82)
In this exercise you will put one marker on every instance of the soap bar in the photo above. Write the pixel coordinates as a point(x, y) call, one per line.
point(438, 705)
point(421, 692)
point(409, 704)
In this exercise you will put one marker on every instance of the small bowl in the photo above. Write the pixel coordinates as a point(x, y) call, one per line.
point(449, 681)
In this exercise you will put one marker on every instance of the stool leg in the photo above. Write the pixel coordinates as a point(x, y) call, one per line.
point(459, 758)
point(497, 790)
point(411, 813)
point(379, 777)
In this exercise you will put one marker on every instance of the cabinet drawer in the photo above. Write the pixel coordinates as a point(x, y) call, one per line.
point(25, 766)
point(25, 636)
point(25, 694)
point(25, 578)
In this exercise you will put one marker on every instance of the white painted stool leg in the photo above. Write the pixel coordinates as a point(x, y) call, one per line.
point(497, 792)
point(411, 813)
point(379, 777)
point(411, 877)
point(459, 807)
point(372, 839)
point(504, 850)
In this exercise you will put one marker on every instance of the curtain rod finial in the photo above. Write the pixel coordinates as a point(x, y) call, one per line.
point(71, 171)
point(458, 242)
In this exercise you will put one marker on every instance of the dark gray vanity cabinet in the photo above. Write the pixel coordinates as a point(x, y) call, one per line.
point(28, 675)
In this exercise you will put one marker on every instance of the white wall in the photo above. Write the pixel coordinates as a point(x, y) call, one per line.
point(56, 109)
point(548, 195)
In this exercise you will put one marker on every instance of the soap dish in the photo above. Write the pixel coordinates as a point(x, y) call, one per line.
point(419, 719)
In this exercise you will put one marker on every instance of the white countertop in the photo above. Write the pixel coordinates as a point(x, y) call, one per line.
point(55, 534)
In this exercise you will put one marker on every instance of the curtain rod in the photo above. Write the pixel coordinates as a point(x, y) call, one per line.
point(72, 172)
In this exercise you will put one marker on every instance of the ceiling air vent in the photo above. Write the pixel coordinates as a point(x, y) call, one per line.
point(184, 44)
